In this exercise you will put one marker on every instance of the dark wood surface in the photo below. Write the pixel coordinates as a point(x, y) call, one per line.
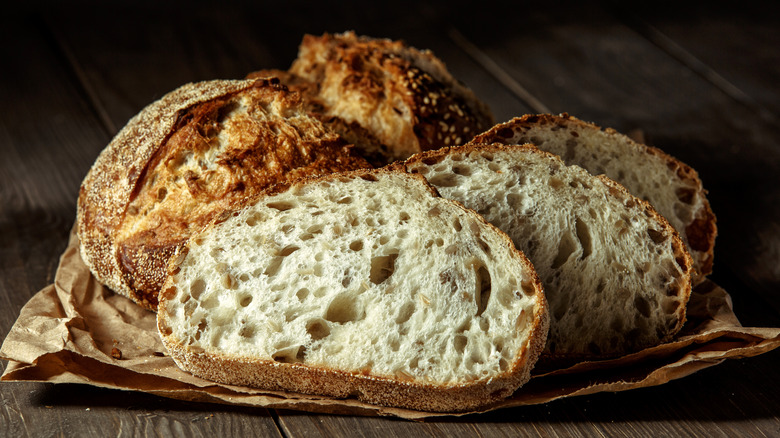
point(702, 83)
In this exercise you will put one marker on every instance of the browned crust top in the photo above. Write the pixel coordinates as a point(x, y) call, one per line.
point(404, 98)
point(168, 173)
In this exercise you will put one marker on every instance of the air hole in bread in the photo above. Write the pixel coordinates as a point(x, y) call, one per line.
point(617, 324)
point(288, 355)
point(403, 216)
point(356, 245)
point(444, 180)
point(451, 250)
point(394, 345)
point(566, 248)
point(685, 195)
point(434, 212)
point(302, 293)
point(383, 240)
point(405, 313)
point(595, 349)
point(457, 225)
point(439, 241)
point(382, 267)
point(483, 289)
point(583, 235)
point(317, 329)
point(228, 281)
point(345, 200)
point(402, 233)
point(197, 287)
point(462, 170)
point(247, 331)
point(343, 309)
point(670, 306)
point(460, 342)
point(245, 300)
point(280, 205)
point(515, 201)
point(287, 228)
point(528, 288)
point(555, 183)
point(368, 177)
point(682, 262)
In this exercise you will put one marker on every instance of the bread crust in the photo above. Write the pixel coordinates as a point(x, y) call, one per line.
point(683, 285)
point(390, 99)
point(146, 193)
point(379, 390)
point(699, 233)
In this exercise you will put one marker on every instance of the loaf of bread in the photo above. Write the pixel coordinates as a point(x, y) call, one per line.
point(672, 187)
point(365, 285)
point(389, 99)
point(182, 161)
point(616, 274)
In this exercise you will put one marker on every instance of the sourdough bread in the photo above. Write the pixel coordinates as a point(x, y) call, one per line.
point(672, 187)
point(364, 285)
point(616, 274)
point(185, 159)
point(390, 99)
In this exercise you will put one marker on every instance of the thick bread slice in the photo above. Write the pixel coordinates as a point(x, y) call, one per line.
point(616, 274)
point(182, 161)
point(672, 187)
point(400, 100)
point(362, 285)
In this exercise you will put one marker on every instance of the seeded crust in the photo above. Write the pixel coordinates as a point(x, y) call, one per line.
point(200, 150)
point(293, 372)
point(616, 274)
point(671, 186)
point(390, 99)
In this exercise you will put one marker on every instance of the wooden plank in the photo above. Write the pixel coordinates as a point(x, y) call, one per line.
point(738, 51)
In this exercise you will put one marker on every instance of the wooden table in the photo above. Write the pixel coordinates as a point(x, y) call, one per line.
point(702, 84)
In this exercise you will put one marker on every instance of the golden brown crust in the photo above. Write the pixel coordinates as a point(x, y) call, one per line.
point(281, 376)
point(200, 150)
point(390, 99)
point(700, 233)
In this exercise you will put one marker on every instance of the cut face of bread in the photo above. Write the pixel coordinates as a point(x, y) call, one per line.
point(672, 187)
point(362, 285)
point(200, 150)
point(616, 275)
point(392, 100)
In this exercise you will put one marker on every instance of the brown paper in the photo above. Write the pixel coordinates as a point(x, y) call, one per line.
point(78, 331)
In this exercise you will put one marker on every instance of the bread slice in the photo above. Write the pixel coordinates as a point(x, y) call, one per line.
point(672, 187)
point(361, 285)
point(391, 99)
point(616, 274)
point(185, 159)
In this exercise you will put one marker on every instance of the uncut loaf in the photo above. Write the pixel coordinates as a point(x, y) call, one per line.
point(182, 161)
point(672, 187)
point(389, 99)
point(616, 274)
point(364, 284)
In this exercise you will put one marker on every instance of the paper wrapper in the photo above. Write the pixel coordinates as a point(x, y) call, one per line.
point(77, 331)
